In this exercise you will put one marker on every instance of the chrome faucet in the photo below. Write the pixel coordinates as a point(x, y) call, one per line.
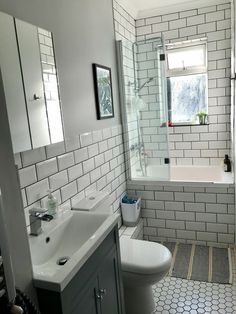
point(139, 148)
point(35, 220)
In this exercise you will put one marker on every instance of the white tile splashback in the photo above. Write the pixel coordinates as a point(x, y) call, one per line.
point(99, 165)
point(27, 176)
point(55, 149)
point(37, 191)
point(31, 157)
point(58, 180)
point(46, 168)
point(65, 161)
point(75, 172)
point(72, 143)
point(81, 155)
point(86, 139)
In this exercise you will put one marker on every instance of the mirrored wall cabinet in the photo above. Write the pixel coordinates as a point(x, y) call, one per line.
point(30, 84)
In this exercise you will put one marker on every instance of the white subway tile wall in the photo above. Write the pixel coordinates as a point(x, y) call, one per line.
point(186, 213)
point(74, 174)
point(198, 145)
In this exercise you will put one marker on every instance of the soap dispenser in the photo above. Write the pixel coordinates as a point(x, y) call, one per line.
point(51, 204)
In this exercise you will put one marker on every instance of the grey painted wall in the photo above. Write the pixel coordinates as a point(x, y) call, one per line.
point(83, 33)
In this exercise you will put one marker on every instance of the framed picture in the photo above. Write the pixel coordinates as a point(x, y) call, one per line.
point(103, 91)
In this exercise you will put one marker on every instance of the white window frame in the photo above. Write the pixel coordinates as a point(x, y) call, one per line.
point(185, 71)
point(185, 46)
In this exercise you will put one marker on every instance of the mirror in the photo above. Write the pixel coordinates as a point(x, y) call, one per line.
point(27, 62)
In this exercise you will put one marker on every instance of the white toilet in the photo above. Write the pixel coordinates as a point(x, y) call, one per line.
point(143, 263)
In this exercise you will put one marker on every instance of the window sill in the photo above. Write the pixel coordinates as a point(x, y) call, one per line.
point(190, 124)
point(183, 124)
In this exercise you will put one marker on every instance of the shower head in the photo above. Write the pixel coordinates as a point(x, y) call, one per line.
point(144, 84)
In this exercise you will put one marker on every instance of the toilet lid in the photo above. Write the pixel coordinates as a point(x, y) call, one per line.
point(143, 257)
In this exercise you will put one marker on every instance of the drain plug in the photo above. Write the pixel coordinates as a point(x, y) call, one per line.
point(62, 260)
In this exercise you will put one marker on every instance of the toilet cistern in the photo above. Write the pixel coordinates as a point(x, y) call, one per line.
point(96, 201)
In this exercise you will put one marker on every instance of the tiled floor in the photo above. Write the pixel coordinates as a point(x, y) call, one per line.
point(174, 295)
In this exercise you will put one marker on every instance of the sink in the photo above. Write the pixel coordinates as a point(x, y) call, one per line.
point(65, 244)
point(66, 238)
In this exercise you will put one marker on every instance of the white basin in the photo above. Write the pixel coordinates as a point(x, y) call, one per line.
point(68, 235)
point(74, 235)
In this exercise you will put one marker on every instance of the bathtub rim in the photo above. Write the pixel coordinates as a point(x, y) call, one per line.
point(229, 180)
point(153, 182)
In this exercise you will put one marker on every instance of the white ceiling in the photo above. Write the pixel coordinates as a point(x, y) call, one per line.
point(145, 8)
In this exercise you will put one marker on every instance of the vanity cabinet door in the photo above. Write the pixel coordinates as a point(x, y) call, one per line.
point(87, 302)
point(28, 43)
point(109, 285)
point(13, 86)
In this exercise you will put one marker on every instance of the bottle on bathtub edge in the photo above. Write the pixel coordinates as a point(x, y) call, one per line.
point(227, 164)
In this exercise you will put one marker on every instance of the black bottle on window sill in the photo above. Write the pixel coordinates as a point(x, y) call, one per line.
point(227, 164)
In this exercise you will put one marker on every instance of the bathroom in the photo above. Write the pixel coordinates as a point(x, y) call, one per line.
point(83, 34)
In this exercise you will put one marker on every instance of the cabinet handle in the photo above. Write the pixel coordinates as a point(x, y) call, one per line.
point(99, 296)
point(103, 291)
point(36, 97)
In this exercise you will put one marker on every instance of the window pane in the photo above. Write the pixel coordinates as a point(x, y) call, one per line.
point(186, 57)
point(186, 96)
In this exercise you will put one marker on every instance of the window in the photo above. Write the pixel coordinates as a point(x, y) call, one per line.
point(186, 81)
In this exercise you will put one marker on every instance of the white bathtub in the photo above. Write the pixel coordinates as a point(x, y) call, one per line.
point(211, 174)
point(200, 174)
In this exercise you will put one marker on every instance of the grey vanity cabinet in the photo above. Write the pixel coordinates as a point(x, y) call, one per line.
point(86, 301)
point(96, 288)
point(108, 284)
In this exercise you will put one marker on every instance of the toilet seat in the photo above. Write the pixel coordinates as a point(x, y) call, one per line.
point(143, 257)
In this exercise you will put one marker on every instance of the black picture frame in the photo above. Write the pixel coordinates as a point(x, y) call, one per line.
point(103, 91)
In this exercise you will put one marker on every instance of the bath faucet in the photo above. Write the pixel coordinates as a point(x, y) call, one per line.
point(35, 220)
point(139, 148)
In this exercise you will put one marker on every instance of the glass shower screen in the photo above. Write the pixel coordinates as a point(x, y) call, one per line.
point(145, 112)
